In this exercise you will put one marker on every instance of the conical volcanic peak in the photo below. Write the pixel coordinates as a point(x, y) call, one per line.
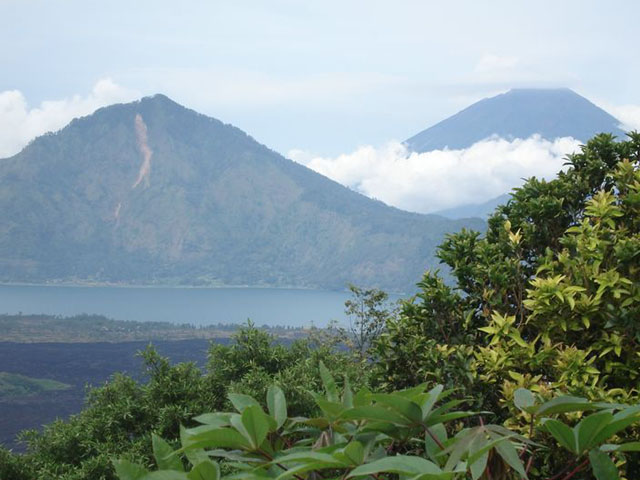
point(150, 192)
point(519, 113)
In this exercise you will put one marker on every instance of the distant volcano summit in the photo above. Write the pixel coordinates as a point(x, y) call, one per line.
point(519, 113)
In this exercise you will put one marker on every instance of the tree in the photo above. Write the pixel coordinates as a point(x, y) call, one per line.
point(368, 311)
point(548, 299)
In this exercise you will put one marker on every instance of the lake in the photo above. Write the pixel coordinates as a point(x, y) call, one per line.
point(197, 306)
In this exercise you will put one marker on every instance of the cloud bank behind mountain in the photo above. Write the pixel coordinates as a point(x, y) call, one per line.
point(21, 123)
point(441, 179)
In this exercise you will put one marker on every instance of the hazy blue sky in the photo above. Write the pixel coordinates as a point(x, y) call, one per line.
point(321, 76)
point(334, 85)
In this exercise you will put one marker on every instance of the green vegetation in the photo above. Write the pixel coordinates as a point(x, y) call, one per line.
point(525, 368)
point(14, 385)
point(366, 435)
point(97, 328)
point(120, 416)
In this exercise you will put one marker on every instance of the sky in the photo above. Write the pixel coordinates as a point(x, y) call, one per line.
point(320, 81)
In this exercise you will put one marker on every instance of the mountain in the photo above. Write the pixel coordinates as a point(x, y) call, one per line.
point(478, 210)
point(519, 113)
point(153, 193)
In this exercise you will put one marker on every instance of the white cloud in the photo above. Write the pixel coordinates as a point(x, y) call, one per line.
point(240, 88)
point(490, 63)
point(428, 182)
point(20, 123)
point(629, 115)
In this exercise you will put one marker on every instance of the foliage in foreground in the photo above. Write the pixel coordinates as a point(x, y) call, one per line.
point(411, 434)
point(547, 300)
point(120, 416)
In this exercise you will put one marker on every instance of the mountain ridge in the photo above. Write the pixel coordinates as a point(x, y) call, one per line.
point(518, 113)
point(150, 192)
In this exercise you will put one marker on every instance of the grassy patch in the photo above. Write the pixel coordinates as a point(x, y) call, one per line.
point(14, 385)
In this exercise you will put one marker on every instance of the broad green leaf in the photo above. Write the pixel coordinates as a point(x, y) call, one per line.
point(373, 412)
point(306, 467)
point(361, 398)
point(562, 433)
point(445, 407)
point(432, 397)
point(401, 405)
point(319, 422)
point(256, 424)
point(347, 395)
point(216, 419)
point(215, 438)
point(329, 384)
point(410, 393)
point(277, 404)
point(459, 446)
point(205, 471)
point(309, 456)
point(165, 475)
point(589, 428)
point(127, 470)
point(447, 417)
point(524, 399)
point(432, 448)
point(400, 464)
point(624, 447)
point(241, 401)
point(194, 455)
point(479, 455)
point(354, 452)
point(164, 456)
point(509, 454)
point(602, 465)
point(480, 445)
point(620, 421)
point(330, 409)
point(238, 425)
point(437, 476)
point(564, 405)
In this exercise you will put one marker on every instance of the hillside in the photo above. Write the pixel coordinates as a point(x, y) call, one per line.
point(519, 113)
point(479, 210)
point(153, 193)
point(14, 385)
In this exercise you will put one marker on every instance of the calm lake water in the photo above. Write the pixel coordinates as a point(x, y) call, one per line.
point(198, 306)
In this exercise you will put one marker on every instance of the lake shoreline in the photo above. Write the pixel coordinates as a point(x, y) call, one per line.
point(198, 306)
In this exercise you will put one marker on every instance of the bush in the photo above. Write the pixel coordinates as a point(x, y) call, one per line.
point(121, 416)
point(548, 299)
point(412, 434)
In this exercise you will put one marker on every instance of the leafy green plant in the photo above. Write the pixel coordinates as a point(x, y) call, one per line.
point(547, 300)
point(363, 435)
point(586, 440)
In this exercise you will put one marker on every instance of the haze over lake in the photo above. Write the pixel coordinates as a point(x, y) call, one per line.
point(197, 306)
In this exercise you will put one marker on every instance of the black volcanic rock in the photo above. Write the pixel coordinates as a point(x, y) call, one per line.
point(153, 193)
point(520, 113)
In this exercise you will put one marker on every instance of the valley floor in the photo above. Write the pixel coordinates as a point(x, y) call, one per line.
point(76, 364)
